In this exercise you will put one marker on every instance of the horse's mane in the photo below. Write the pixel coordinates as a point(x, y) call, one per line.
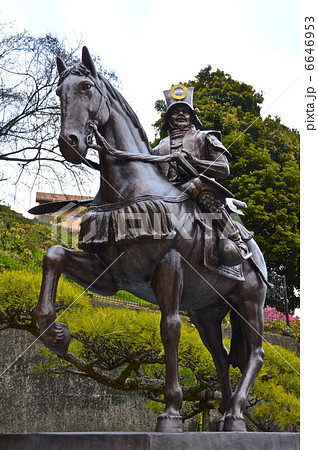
point(118, 98)
point(80, 69)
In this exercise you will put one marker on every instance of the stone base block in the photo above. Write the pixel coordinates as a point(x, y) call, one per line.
point(150, 441)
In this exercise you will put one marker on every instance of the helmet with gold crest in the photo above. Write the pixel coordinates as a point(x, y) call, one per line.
point(180, 95)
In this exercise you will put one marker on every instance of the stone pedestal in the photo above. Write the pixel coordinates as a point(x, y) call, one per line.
point(150, 441)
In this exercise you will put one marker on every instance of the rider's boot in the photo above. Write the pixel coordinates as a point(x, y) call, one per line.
point(233, 250)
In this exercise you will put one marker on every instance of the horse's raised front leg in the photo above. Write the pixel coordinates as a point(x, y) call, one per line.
point(85, 269)
point(167, 284)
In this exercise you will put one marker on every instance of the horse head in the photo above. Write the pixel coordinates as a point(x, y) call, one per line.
point(83, 103)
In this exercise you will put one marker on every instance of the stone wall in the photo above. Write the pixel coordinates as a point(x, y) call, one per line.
point(273, 338)
point(284, 341)
point(33, 403)
point(40, 403)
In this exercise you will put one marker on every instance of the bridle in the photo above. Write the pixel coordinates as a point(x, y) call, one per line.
point(81, 70)
point(94, 120)
point(102, 93)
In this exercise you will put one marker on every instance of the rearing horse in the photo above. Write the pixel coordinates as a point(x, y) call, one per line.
point(166, 268)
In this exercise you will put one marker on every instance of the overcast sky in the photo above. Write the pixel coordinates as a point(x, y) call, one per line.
point(152, 44)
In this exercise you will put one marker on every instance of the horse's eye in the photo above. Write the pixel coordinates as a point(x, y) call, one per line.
point(86, 86)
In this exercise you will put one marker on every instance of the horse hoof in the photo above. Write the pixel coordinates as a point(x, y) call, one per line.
point(169, 424)
point(220, 424)
point(232, 423)
point(57, 338)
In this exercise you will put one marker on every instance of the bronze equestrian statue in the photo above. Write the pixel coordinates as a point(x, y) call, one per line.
point(173, 259)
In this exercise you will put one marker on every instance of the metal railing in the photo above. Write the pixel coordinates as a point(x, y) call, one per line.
point(277, 296)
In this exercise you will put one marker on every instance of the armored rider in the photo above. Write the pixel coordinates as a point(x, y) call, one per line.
point(202, 158)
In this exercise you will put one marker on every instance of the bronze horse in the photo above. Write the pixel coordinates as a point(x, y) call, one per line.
point(165, 269)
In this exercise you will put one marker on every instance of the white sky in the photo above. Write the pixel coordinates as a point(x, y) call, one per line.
point(152, 44)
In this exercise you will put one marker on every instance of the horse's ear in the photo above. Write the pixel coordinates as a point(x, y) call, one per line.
point(88, 62)
point(60, 65)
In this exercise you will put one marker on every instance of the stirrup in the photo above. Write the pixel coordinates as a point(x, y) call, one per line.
point(230, 254)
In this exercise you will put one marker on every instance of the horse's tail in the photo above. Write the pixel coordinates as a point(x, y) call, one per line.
point(238, 350)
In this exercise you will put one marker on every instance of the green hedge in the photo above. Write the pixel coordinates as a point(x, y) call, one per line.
point(102, 334)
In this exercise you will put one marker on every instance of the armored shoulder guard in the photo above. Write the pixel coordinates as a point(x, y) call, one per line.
point(214, 139)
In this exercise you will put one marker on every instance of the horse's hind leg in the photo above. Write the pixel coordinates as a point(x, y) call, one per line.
point(248, 353)
point(208, 322)
point(167, 285)
point(84, 268)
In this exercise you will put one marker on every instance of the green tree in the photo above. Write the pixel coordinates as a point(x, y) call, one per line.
point(264, 167)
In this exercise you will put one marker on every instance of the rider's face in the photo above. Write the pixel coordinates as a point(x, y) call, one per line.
point(180, 116)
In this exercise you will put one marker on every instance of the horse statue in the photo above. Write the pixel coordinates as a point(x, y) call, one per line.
point(168, 261)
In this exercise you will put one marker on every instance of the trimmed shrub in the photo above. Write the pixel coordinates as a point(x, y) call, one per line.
point(122, 348)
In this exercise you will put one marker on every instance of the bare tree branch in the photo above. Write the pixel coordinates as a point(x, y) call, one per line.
point(29, 109)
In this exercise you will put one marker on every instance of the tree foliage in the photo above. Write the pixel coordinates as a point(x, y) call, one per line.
point(264, 167)
point(23, 242)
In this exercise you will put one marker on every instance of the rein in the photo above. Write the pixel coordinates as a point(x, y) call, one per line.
point(177, 156)
point(130, 156)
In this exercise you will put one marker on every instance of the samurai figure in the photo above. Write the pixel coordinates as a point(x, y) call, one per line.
point(202, 159)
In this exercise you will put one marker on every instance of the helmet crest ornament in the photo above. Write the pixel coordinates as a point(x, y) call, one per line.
point(179, 94)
